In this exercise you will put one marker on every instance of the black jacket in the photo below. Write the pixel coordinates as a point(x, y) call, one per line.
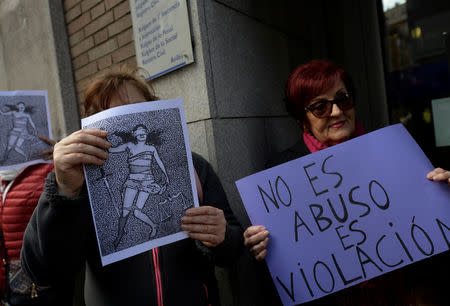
point(60, 239)
point(298, 150)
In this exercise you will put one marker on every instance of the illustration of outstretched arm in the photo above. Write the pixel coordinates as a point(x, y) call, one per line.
point(31, 122)
point(119, 148)
point(161, 165)
point(6, 113)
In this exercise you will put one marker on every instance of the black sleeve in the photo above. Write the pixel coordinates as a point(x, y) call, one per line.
point(213, 194)
point(298, 150)
point(55, 240)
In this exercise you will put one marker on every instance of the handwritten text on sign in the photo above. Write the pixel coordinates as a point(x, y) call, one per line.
point(348, 213)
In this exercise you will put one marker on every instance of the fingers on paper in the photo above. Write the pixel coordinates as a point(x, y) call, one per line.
point(47, 140)
point(256, 238)
point(83, 146)
point(205, 223)
point(439, 175)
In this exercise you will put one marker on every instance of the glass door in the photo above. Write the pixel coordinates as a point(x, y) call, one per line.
point(416, 59)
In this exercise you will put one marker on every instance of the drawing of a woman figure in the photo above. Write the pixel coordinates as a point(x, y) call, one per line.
point(140, 183)
point(19, 133)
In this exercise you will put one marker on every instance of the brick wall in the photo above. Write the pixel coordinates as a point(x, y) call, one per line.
point(100, 36)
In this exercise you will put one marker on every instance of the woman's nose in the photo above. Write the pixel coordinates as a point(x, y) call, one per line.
point(335, 111)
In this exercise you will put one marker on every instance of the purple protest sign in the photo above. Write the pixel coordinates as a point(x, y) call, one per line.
point(348, 213)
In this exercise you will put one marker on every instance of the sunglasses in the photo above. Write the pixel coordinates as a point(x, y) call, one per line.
point(323, 107)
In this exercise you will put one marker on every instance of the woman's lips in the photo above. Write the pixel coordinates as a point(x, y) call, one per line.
point(337, 124)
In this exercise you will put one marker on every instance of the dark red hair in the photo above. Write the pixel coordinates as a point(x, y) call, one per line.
point(311, 80)
point(98, 95)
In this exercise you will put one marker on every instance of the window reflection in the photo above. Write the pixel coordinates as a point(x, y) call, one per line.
point(417, 68)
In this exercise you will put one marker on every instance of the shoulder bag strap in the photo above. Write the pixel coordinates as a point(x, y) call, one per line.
point(4, 253)
point(4, 259)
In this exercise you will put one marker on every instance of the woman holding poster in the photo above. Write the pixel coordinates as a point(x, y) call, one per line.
point(60, 238)
point(320, 96)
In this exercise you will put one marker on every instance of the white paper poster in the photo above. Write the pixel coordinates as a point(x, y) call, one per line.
point(24, 116)
point(140, 193)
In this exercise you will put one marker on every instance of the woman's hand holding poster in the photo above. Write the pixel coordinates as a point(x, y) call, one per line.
point(348, 213)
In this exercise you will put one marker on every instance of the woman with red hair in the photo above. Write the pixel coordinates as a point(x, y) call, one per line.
point(320, 95)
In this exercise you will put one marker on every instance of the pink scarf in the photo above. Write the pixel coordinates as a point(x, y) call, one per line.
point(315, 145)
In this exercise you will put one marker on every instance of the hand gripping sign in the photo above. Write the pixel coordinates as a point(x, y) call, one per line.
point(348, 213)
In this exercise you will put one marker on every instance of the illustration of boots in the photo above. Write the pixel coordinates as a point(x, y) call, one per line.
point(20, 151)
point(6, 156)
point(121, 231)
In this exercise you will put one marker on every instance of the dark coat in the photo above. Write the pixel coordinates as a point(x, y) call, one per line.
point(60, 239)
point(298, 150)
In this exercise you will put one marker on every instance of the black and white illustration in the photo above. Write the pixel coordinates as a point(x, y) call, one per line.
point(24, 116)
point(140, 193)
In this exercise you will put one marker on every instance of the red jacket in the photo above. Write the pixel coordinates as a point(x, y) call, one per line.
point(15, 212)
